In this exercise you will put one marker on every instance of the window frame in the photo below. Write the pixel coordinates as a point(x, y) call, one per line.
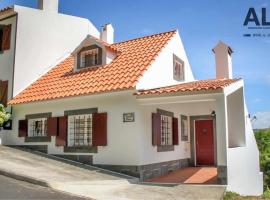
point(87, 49)
point(87, 133)
point(184, 137)
point(37, 117)
point(177, 60)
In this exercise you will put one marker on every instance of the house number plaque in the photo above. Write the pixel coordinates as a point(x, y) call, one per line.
point(129, 117)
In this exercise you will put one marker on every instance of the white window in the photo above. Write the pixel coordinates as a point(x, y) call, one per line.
point(166, 130)
point(89, 58)
point(178, 69)
point(37, 127)
point(80, 130)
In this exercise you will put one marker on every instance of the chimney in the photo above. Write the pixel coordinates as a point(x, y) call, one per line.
point(223, 54)
point(48, 5)
point(107, 33)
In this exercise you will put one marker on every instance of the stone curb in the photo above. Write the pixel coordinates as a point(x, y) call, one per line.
point(25, 178)
point(35, 181)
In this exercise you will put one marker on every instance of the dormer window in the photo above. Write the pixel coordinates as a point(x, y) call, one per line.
point(178, 69)
point(89, 56)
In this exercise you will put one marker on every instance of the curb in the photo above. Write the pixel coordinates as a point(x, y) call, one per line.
point(25, 178)
point(34, 181)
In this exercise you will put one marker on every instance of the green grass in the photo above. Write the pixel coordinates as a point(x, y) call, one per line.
point(235, 196)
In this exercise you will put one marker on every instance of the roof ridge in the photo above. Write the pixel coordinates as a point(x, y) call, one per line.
point(146, 36)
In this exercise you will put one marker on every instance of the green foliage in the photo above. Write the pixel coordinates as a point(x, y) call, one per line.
point(231, 196)
point(266, 194)
point(263, 141)
point(4, 116)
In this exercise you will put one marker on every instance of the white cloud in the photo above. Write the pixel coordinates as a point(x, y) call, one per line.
point(263, 120)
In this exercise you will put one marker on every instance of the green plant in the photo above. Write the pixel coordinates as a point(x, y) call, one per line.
point(4, 116)
point(266, 194)
point(263, 141)
point(230, 196)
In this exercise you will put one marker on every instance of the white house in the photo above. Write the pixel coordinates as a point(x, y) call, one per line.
point(131, 106)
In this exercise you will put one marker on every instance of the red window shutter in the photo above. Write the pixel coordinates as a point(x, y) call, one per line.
point(4, 92)
point(61, 137)
point(175, 131)
point(99, 129)
point(23, 128)
point(6, 37)
point(52, 126)
point(156, 129)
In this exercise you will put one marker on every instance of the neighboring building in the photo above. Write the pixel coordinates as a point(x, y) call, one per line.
point(130, 106)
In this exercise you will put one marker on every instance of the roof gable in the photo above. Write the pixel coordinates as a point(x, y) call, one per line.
point(122, 73)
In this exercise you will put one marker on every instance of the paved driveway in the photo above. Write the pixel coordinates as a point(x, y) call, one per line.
point(94, 183)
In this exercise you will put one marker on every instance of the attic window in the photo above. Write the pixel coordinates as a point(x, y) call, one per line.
point(89, 56)
point(178, 69)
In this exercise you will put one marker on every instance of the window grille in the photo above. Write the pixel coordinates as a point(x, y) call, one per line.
point(37, 127)
point(178, 69)
point(166, 130)
point(80, 130)
point(89, 58)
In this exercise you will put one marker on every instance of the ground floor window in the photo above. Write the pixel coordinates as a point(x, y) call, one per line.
point(80, 130)
point(166, 130)
point(37, 127)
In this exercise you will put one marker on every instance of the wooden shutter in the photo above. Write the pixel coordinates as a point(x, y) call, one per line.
point(61, 137)
point(175, 131)
point(52, 126)
point(6, 37)
point(99, 137)
point(4, 92)
point(23, 128)
point(156, 129)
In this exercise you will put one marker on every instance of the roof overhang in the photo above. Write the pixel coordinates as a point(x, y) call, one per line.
point(7, 12)
point(93, 40)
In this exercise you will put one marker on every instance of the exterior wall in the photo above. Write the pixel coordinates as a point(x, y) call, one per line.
point(181, 151)
point(243, 166)
point(43, 38)
point(124, 139)
point(7, 57)
point(160, 73)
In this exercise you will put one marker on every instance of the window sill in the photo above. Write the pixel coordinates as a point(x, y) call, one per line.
point(164, 148)
point(38, 139)
point(86, 149)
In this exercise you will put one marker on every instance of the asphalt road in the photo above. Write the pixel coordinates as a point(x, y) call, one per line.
point(13, 189)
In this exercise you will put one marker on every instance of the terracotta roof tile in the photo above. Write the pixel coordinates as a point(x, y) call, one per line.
point(122, 73)
point(200, 85)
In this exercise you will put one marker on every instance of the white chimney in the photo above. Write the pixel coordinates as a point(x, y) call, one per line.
point(107, 33)
point(223, 54)
point(48, 5)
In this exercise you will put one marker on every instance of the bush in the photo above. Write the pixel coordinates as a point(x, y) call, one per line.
point(263, 141)
point(4, 116)
point(231, 196)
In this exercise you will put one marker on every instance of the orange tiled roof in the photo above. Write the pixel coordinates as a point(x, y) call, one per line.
point(121, 74)
point(213, 84)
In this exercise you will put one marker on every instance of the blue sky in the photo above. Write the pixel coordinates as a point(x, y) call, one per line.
point(201, 24)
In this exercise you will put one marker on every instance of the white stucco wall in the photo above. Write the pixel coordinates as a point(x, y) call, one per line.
point(243, 166)
point(160, 73)
point(124, 139)
point(44, 38)
point(7, 56)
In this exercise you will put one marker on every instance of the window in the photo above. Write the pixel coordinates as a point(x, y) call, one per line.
point(80, 130)
point(166, 130)
point(89, 58)
point(184, 128)
point(5, 36)
point(4, 92)
point(37, 127)
point(178, 69)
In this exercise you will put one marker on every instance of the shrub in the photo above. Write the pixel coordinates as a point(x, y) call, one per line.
point(4, 116)
point(263, 141)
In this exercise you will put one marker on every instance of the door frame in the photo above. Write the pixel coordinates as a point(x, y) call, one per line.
point(193, 137)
